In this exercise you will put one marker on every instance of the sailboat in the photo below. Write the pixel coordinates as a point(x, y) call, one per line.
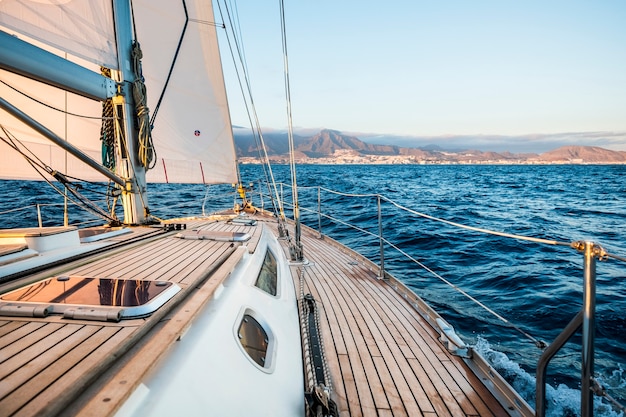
point(212, 315)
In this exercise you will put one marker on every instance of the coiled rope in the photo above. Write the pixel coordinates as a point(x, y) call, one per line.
point(318, 385)
point(107, 130)
point(145, 152)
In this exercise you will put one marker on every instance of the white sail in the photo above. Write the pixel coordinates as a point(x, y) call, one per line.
point(81, 32)
point(43, 104)
point(192, 131)
point(83, 28)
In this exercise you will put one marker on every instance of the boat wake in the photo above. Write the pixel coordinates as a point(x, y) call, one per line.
point(562, 401)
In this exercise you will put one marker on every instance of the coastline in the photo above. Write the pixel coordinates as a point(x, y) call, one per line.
point(398, 160)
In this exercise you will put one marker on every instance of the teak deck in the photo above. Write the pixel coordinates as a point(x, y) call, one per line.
point(384, 359)
point(46, 363)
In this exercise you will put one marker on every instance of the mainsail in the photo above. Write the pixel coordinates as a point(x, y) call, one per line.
point(82, 28)
point(192, 134)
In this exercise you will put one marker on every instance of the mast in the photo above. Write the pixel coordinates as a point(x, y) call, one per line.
point(134, 197)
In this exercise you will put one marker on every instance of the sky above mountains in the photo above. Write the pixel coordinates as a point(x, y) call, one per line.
point(518, 76)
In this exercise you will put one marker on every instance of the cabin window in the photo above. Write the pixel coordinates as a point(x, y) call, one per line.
point(268, 276)
point(254, 339)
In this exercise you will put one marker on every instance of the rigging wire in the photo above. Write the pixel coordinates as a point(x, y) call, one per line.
point(55, 108)
point(478, 229)
point(119, 129)
point(241, 56)
point(248, 99)
point(539, 343)
point(296, 250)
point(40, 167)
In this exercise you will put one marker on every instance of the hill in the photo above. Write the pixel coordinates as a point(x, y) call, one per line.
point(588, 154)
point(331, 146)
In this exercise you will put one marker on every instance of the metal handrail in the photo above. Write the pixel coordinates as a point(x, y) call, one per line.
point(585, 319)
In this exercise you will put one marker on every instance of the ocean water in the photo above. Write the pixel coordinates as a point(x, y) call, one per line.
point(537, 288)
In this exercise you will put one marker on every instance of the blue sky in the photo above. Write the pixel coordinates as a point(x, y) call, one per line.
point(497, 71)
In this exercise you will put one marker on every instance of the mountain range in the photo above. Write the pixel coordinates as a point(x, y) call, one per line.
point(331, 146)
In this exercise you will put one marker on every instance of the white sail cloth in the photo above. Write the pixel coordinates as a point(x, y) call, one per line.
point(192, 132)
point(81, 28)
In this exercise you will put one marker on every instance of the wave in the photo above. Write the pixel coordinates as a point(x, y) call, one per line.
point(561, 401)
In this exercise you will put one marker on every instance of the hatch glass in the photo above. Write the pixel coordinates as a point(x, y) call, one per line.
point(137, 297)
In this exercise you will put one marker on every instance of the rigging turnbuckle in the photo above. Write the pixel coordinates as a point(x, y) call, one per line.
point(596, 250)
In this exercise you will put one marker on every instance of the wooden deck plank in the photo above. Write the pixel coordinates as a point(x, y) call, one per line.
point(422, 361)
point(427, 355)
point(330, 338)
point(427, 390)
point(50, 401)
point(468, 390)
point(166, 259)
point(408, 387)
point(255, 233)
point(20, 358)
point(351, 406)
point(403, 387)
point(412, 360)
point(34, 371)
point(438, 383)
point(116, 263)
point(121, 263)
point(414, 398)
point(187, 274)
point(361, 358)
point(335, 322)
point(156, 265)
point(354, 365)
point(446, 380)
point(39, 376)
point(91, 339)
point(418, 327)
point(165, 264)
point(393, 396)
point(26, 342)
point(15, 331)
point(366, 345)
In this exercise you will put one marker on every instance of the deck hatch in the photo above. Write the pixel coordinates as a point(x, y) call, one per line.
point(63, 294)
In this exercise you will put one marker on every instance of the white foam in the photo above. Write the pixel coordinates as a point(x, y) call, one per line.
point(562, 401)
